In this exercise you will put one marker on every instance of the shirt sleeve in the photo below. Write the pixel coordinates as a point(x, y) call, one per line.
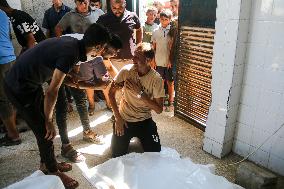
point(100, 12)
point(64, 23)
point(121, 76)
point(137, 22)
point(64, 64)
point(153, 37)
point(24, 23)
point(159, 90)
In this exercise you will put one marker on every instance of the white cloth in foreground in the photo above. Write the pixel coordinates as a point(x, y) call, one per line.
point(165, 170)
point(38, 180)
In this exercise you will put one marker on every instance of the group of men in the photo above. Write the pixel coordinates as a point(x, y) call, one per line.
point(55, 60)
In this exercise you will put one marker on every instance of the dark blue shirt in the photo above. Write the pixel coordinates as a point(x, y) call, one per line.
point(51, 18)
point(123, 27)
point(36, 65)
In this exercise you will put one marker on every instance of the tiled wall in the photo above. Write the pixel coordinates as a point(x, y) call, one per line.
point(232, 20)
point(261, 110)
point(248, 82)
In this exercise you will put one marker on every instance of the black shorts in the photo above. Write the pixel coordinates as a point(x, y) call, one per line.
point(145, 130)
point(166, 73)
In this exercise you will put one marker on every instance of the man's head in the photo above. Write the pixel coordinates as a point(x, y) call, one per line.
point(113, 46)
point(174, 6)
point(57, 3)
point(159, 5)
point(82, 6)
point(4, 5)
point(118, 7)
point(165, 17)
point(96, 4)
point(143, 56)
point(95, 39)
point(151, 14)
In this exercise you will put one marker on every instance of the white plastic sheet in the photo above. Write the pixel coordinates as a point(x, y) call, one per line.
point(38, 180)
point(165, 170)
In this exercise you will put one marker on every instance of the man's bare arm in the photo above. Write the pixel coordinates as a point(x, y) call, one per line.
point(58, 31)
point(139, 35)
point(30, 40)
point(50, 100)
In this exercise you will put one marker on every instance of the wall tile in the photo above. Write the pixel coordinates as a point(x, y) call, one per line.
point(261, 9)
point(240, 54)
point(234, 9)
point(250, 96)
point(232, 114)
point(274, 58)
point(243, 133)
point(207, 145)
point(258, 137)
point(273, 81)
point(269, 101)
point(253, 76)
point(277, 147)
point(220, 33)
point(259, 157)
point(235, 95)
point(255, 55)
point(246, 115)
point(241, 148)
point(222, 10)
point(227, 147)
point(276, 30)
point(229, 132)
point(278, 11)
point(232, 28)
point(258, 32)
point(217, 149)
point(245, 9)
point(276, 164)
point(264, 121)
point(243, 31)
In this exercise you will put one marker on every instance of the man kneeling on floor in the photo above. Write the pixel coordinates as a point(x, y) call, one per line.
point(51, 60)
point(143, 92)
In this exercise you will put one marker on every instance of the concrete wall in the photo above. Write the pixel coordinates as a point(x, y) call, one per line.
point(248, 82)
point(36, 8)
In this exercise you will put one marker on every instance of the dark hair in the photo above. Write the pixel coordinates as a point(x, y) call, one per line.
point(79, 0)
point(166, 13)
point(152, 9)
point(146, 49)
point(94, 1)
point(4, 3)
point(115, 42)
point(96, 35)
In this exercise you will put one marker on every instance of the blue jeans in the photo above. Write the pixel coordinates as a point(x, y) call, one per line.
point(61, 111)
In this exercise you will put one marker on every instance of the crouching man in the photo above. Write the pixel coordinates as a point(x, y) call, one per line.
point(51, 60)
point(143, 91)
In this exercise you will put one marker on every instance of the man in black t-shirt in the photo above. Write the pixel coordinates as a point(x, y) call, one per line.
point(50, 60)
point(28, 32)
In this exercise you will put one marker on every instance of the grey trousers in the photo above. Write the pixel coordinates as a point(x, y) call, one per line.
point(6, 107)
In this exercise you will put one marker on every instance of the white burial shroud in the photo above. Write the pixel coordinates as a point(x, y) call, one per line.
point(165, 170)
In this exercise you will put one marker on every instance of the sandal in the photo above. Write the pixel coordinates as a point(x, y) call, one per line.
point(62, 167)
point(7, 141)
point(70, 153)
point(68, 182)
point(91, 110)
point(91, 136)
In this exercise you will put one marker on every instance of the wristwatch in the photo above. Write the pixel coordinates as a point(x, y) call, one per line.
point(139, 94)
